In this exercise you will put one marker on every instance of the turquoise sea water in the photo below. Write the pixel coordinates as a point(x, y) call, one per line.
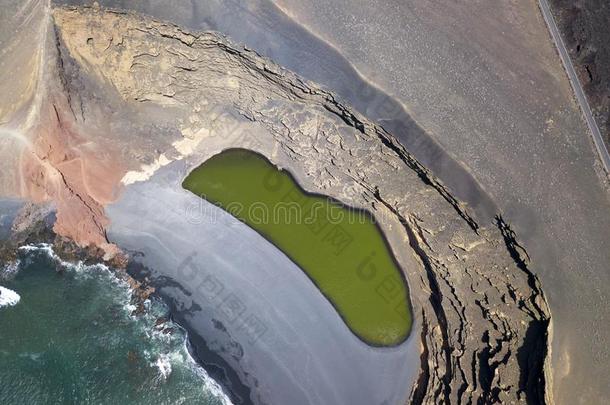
point(67, 336)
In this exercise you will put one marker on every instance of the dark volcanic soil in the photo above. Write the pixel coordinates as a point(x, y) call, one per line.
point(585, 27)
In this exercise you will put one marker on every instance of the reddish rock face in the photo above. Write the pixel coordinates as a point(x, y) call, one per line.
point(71, 169)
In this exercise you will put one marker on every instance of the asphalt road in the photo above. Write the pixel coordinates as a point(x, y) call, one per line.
point(604, 156)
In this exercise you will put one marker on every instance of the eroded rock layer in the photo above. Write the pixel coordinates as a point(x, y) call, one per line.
point(128, 95)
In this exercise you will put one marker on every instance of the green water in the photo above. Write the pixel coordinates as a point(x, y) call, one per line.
point(71, 339)
point(342, 250)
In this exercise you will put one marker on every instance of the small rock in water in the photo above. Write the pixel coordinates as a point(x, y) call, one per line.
point(132, 356)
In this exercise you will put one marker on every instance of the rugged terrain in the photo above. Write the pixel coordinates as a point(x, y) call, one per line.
point(117, 96)
point(584, 26)
point(484, 80)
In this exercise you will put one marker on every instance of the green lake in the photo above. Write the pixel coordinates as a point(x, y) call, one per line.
point(341, 249)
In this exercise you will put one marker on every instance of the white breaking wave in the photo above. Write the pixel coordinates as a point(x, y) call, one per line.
point(209, 383)
point(164, 365)
point(78, 267)
point(164, 361)
point(8, 298)
point(9, 270)
point(42, 247)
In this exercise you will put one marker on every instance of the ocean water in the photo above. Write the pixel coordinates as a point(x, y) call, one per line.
point(68, 336)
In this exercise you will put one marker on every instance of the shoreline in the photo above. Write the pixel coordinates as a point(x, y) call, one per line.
point(141, 305)
point(197, 346)
point(338, 202)
point(181, 277)
point(36, 231)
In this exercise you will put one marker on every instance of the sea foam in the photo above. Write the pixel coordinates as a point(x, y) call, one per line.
point(8, 298)
point(180, 356)
point(9, 270)
point(164, 365)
